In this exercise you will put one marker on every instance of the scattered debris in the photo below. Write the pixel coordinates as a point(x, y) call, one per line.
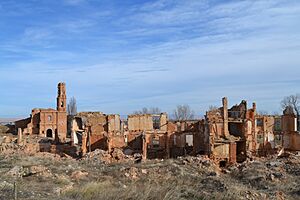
point(76, 175)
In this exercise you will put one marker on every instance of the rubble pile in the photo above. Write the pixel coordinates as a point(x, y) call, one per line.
point(9, 146)
point(196, 177)
point(116, 156)
point(26, 171)
point(3, 129)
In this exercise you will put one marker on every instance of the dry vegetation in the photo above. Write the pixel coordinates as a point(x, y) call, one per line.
point(46, 176)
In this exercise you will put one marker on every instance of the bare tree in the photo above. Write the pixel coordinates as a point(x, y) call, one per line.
point(152, 110)
point(292, 101)
point(183, 112)
point(262, 112)
point(212, 108)
point(72, 107)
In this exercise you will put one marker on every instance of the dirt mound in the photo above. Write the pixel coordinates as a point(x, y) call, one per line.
point(116, 156)
point(35, 170)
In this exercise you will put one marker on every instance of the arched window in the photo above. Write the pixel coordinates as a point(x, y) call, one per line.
point(49, 133)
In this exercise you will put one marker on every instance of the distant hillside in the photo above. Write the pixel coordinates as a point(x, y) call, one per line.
point(8, 120)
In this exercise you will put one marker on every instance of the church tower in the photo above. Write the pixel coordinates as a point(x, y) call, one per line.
point(61, 98)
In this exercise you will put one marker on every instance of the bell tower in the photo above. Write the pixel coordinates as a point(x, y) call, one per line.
point(61, 98)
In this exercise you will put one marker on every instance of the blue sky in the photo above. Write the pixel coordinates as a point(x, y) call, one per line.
point(118, 56)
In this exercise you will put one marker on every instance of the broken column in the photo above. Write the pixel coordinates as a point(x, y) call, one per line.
point(144, 146)
point(254, 108)
point(225, 117)
point(84, 143)
point(232, 152)
point(167, 136)
point(72, 138)
point(163, 122)
point(254, 136)
point(109, 143)
point(56, 138)
point(20, 135)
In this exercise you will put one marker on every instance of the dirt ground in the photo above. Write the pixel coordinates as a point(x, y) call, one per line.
point(49, 176)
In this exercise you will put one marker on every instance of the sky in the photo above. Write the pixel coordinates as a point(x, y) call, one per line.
point(118, 56)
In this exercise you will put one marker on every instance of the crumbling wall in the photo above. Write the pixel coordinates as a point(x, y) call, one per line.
point(95, 126)
point(114, 123)
point(289, 123)
point(140, 122)
point(291, 141)
point(98, 141)
point(221, 151)
point(95, 122)
point(187, 138)
point(116, 141)
point(291, 138)
point(230, 133)
point(295, 142)
point(268, 134)
point(215, 123)
point(23, 123)
point(163, 122)
point(201, 139)
point(157, 145)
point(134, 140)
point(238, 111)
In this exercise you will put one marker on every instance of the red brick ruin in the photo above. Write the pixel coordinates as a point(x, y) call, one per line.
point(226, 135)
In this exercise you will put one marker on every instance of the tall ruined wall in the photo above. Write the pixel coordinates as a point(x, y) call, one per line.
point(95, 121)
point(47, 121)
point(163, 122)
point(134, 140)
point(62, 125)
point(238, 111)
point(114, 123)
point(201, 139)
point(291, 141)
point(22, 123)
point(140, 122)
point(117, 141)
point(289, 123)
point(98, 141)
point(221, 151)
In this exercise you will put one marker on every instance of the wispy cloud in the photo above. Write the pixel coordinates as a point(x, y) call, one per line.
point(74, 2)
point(120, 56)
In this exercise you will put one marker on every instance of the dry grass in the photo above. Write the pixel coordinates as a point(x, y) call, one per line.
point(169, 179)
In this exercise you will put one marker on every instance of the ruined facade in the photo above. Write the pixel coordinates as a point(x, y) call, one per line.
point(226, 135)
point(268, 133)
point(291, 137)
point(94, 130)
point(49, 122)
point(187, 138)
point(231, 132)
point(147, 134)
point(151, 135)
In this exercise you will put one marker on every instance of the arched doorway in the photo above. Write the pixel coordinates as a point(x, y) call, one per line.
point(49, 133)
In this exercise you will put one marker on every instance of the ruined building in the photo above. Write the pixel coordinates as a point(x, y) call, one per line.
point(187, 138)
point(152, 135)
point(291, 137)
point(226, 135)
point(145, 134)
point(268, 134)
point(94, 130)
point(148, 135)
point(231, 132)
point(49, 122)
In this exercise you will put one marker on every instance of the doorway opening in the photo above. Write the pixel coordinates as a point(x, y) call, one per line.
point(49, 133)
